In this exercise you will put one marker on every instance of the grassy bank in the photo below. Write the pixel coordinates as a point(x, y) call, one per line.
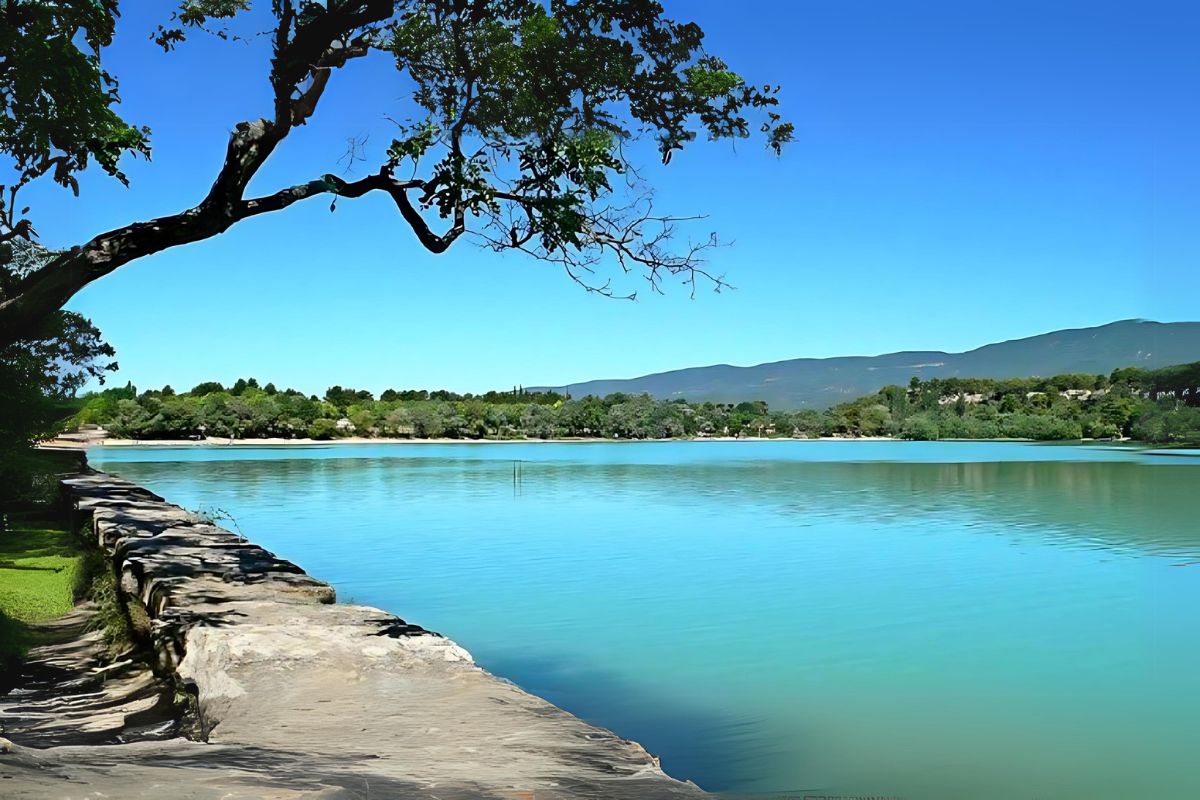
point(43, 571)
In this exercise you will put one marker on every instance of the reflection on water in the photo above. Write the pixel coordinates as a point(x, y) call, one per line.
point(936, 620)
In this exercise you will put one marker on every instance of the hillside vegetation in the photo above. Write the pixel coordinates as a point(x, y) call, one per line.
point(1151, 405)
point(1160, 405)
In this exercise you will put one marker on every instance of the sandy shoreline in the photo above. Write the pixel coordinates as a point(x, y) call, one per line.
point(82, 442)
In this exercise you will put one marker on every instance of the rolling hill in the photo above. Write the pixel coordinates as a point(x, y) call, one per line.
point(822, 382)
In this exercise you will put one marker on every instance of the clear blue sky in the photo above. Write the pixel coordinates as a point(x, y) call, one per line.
point(965, 172)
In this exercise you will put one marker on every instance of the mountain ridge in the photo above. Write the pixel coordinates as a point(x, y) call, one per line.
point(822, 382)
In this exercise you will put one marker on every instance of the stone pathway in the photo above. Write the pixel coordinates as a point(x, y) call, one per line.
point(68, 694)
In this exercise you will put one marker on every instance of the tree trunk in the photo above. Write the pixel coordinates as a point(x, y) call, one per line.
point(49, 288)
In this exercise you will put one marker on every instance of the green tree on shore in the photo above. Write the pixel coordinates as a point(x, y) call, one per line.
point(1119, 406)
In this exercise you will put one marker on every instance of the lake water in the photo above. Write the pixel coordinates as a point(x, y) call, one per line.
point(957, 621)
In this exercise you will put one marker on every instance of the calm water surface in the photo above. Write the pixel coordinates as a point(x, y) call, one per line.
point(958, 621)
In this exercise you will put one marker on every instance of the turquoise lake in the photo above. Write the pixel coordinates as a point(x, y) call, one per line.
point(941, 620)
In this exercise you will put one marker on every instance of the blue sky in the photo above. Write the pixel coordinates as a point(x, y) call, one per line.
point(964, 172)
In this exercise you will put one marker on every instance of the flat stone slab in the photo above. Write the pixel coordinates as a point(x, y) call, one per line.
point(299, 697)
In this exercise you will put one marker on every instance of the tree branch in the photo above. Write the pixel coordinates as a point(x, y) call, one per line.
point(51, 286)
point(23, 229)
point(382, 181)
point(526, 116)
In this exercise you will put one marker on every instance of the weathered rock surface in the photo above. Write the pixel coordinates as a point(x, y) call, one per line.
point(67, 692)
point(302, 698)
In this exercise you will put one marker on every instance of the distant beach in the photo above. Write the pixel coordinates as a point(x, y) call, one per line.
point(84, 442)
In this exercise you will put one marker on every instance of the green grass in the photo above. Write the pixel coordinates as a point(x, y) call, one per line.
point(43, 571)
point(112, 615)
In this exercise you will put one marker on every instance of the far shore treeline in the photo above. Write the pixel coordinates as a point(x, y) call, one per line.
point(1161, 406)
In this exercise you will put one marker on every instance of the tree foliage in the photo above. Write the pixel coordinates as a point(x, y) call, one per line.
point(57, 112)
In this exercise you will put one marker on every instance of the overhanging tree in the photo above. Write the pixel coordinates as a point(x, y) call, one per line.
point(524, 112)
